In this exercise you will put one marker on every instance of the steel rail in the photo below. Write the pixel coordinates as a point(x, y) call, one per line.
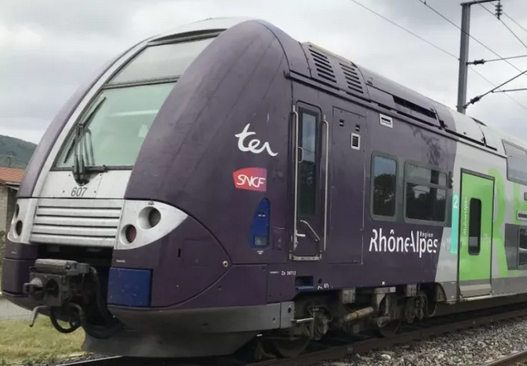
point(514, 359)
point(340, 352)
point(347, 347)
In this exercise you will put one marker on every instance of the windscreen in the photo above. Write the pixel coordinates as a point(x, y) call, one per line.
point(111, 132)
point(161, 62)
point(115, 131)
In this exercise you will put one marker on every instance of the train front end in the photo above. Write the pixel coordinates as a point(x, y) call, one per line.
point(124, 226)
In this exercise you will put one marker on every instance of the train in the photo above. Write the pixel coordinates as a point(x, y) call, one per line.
point(225, 184)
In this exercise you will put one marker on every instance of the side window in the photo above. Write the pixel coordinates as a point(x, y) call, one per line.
point(426, 193)
point(384, 175)
point(307, 164)
point(474, 227)
point(522, 248)
point(516, 163)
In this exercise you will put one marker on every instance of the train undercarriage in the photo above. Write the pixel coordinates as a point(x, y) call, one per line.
point(74, 293)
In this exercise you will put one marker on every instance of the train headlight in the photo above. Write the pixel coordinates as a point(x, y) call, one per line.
point(22, 220)
point(143, 222)
point(130, 233)
point(149, 217)
point(17, 212)
point(19, 226)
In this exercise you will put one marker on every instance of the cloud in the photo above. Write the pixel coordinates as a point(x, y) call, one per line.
point(49, 47)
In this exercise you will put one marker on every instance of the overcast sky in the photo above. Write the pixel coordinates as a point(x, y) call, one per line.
point(49, 47)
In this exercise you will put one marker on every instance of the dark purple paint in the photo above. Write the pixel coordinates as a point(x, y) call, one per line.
point(191, 151)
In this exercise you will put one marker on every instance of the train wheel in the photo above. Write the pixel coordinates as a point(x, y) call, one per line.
point(290, 348)
point(391, 329)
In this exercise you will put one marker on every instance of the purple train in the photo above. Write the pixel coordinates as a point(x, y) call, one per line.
point(225, 182)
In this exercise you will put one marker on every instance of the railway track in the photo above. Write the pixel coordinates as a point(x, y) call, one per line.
point(517, 359)
point(340, 348)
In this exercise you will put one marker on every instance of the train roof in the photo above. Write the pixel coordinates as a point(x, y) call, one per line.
point(343, 74)
point(208, 25)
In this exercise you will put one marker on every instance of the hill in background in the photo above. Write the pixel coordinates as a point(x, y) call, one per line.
point(19, 150)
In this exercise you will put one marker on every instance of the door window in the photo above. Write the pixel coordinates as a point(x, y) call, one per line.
point(474, 228)
point(307, 177)
point(522, 248)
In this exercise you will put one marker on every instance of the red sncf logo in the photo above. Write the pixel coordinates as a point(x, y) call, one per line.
point(252, 179)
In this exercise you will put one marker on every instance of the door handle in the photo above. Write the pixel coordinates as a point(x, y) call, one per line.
point(300, 235)
point(295, 208)
point(326, 186)
point(311, 230)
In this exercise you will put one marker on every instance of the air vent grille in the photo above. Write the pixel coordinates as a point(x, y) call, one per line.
point(83, 222)
point(414, 107)
point(334, 71)
point(352, 78)
point(323, 65)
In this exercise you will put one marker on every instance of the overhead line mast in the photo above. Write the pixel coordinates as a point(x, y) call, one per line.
point(463, 53)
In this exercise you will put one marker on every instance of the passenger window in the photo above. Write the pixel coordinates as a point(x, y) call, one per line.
point(516, 163)
point(426, 194)
point(384, 186)
point(522, 248)
point(307, 166)
point(474, 228)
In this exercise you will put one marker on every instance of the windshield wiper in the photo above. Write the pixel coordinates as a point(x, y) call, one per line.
point(79, 168)
point(79, 144)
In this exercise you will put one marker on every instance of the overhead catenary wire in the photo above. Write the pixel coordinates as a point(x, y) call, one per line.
point(506, 26)
point(471, 36)
point(483, 45)
point(483, 61)
point(515, 22)
point(479, 97)
point(510, 90)
point(435, 46)
point(405, 29)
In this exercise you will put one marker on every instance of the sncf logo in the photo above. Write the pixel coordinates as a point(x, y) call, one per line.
point(252, 179)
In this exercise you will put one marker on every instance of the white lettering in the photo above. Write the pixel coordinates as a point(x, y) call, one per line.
point(255, 146)
point(391, 242)
point(382, 239)
point(418, 242)
point(422, 246)
point(373, 240)
point(251, 181)
point(400, 244)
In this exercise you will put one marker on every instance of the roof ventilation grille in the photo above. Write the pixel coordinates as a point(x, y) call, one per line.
point(414, 107)
point(352, 78)
point(324, 69)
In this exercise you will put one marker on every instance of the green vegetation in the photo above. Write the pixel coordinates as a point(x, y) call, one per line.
point(16, 150)
point(20, 344)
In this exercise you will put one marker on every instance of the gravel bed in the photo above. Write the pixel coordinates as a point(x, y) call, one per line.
point(475, 346)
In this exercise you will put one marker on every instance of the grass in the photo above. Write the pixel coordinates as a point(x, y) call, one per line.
point(20, 344)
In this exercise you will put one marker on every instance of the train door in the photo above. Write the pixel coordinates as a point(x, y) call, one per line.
point(310, 134)
point(475, 253)
point(348, 136)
